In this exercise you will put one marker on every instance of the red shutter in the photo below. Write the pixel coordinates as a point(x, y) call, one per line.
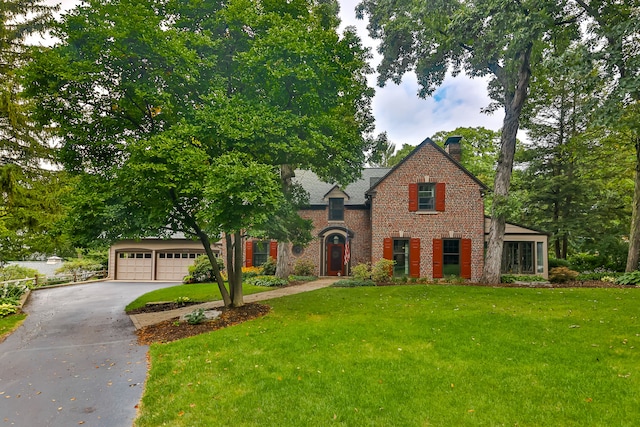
point(414, 258)
point(273, 249)
point(437, 258)
point(440, 196)
point(413, 197)
point(248, 253)
point(465, 258)
point(387, 248)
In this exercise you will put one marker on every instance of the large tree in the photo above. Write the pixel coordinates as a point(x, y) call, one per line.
point(613, 31)
point(482, 38)
point(148, 96)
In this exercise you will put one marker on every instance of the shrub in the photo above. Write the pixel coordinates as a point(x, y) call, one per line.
point(361, 272)
point(632, 278)
point(587, 262)
point(562, 274)
point(352, 283)
point(294, 278)
point(195, 317)
point(15, 272)
point(268, 281)
point(202, 271)
point(382, 271)
point(269, 267)
point(78, 266)
point(7, 309)
point(608, 279)
point(248, 272)
point(304, 267)
point(558, 262)
point(13, 290)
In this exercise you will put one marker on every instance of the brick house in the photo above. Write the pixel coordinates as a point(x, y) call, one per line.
point(426, 214)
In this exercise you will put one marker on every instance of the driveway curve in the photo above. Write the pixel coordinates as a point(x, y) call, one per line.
point(75, 360)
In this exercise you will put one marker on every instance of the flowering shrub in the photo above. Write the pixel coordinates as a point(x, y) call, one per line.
point(304, 267)
point(382, 271)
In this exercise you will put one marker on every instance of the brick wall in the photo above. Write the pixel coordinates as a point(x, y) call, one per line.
point(463, 217)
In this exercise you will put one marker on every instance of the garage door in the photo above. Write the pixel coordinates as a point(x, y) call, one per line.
point(173, 266)
point(134, 266)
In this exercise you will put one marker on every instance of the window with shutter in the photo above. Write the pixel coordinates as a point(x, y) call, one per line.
point(437, 258)
point(427, 197)
point(248, 255)
point(465, 258)
point(414, 258)
point(273, 249)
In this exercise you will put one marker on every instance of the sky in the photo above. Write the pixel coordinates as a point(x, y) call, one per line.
point(397, 109)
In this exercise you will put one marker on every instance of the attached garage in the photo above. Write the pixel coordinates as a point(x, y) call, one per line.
point(154, 259)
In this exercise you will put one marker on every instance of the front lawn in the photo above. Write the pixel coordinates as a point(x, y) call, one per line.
point(410, 356)
point(9, 323)
point(201, 292)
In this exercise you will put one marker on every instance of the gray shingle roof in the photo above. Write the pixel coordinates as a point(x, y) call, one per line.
point(317, 189)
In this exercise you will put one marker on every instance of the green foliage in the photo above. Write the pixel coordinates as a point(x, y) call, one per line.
point(632, 278)
point(294, 278)
point(512, 278)
point(269, 267)
point(352, 283)
point(15, 271)
point(558, 262)
point(267, 281)
point(182, 300)
point(382, 270)
point(13, 290)
point(7, 309)
point(304, 267)
point(79, 265)
point(196, 317)
point(600, 275)
point(400, 155)
point(562, 275)
point(201, 271)
point(361, 272)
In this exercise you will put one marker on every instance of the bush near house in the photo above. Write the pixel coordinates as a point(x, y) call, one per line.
point(562, 275)
point(304, 267)
point(382, 271)
point(269, 267)
point(201, 270)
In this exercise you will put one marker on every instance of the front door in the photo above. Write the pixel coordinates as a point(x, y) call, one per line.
point(335, 259)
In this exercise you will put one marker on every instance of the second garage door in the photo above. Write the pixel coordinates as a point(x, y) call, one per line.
point(173, 266)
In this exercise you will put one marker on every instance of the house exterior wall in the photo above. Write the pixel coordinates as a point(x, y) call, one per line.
point(462, 218)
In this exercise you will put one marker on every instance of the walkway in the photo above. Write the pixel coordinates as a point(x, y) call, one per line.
point(145, 319)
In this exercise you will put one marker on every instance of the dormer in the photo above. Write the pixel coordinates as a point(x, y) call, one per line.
point(336, 199)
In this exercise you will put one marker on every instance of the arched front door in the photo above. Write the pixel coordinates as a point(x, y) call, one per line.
point(335, 255)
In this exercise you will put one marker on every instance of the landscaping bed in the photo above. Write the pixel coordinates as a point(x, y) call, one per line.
point(174, 329)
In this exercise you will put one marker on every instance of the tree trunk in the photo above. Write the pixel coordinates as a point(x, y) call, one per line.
point(634, 234)
point(514, 101)
point(238, 299)
point(214, 264)
point(282, 263)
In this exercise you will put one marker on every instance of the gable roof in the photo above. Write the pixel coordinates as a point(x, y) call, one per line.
point(429, 141)
point(356, 191)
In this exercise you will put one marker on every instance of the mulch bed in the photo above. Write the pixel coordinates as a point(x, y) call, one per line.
point(174, 329)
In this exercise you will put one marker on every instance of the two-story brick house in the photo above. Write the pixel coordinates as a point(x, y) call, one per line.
point(426, 214)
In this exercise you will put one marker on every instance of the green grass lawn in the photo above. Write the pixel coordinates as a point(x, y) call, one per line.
point(196, 292)
point(410, 356)
point(9, 324)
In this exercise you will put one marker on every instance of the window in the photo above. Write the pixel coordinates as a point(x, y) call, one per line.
point(260, 253)
point(426, 197)
point(540, 257)
point(401, 257)
point(451, 257)
point(336, 209)
point(517, 258)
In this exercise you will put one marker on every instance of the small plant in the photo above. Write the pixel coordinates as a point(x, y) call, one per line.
point(7, 309)
point(268, 281)
point(632, 278)
point(269, 267)
point(562, 275)
point(202, 271)
point(182, 300)
point(304, 267)
point(608, 279)
point(382, 271)
point(195, 317)
point(512, 278)
point(361, 272)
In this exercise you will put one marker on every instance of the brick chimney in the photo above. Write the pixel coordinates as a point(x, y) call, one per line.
point(452, 147)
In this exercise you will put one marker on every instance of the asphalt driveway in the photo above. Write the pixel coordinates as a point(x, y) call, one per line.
point(75, 360)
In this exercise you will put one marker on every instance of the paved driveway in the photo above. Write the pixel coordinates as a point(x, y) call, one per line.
point(74, 361)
